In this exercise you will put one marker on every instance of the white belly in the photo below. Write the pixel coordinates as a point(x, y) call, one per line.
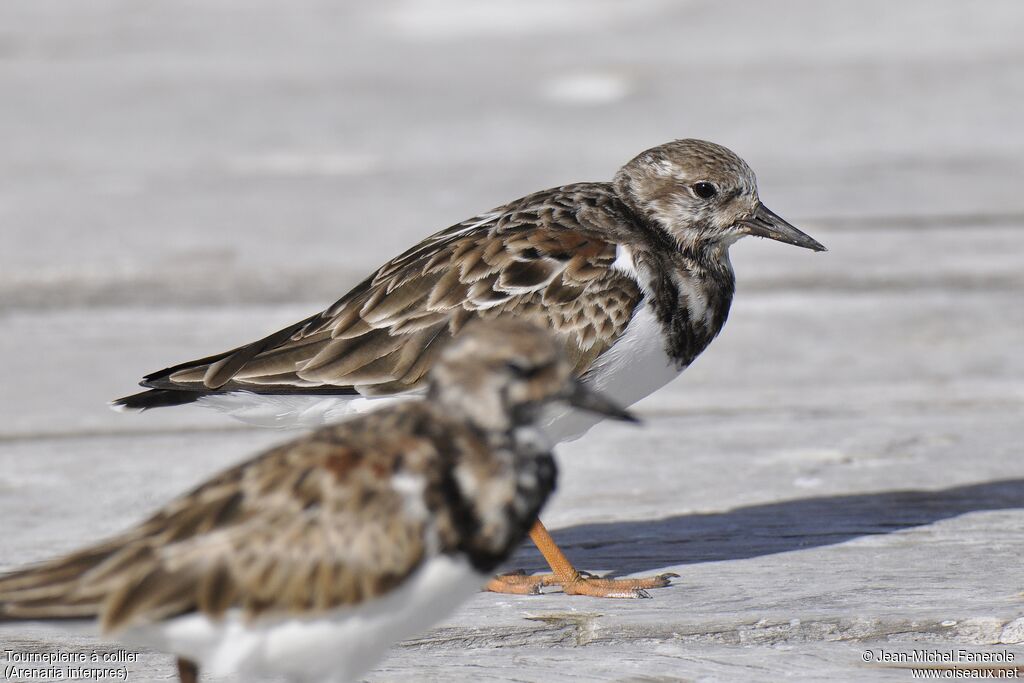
point(289, 411)
point(637, 365)
point(339, 646)
point(633, 368)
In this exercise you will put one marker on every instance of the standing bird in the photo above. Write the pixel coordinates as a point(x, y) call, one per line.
point(632, 276)
point(311, 559)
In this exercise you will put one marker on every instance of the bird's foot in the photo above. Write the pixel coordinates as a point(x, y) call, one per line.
point(518, 582)
point(582, 583)
point(596, 587)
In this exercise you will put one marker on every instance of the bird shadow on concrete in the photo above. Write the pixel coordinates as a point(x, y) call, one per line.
point(753, 531)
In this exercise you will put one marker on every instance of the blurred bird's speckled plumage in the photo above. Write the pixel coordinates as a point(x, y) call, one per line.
point(336, 522)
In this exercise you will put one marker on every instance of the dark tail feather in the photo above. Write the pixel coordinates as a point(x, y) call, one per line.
point(161, 398)
point(156, 398)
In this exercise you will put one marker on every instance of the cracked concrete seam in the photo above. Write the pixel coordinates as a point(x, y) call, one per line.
point(574, 629)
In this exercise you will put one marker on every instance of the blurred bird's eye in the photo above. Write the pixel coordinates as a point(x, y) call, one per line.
point(524, 371)
point(516, 368)
point(704, 190)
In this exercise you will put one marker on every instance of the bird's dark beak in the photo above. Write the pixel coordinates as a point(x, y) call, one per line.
point(764, 223)
point(583, 397)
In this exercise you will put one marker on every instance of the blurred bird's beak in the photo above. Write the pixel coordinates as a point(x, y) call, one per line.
point(585, 398)
point(764, 223)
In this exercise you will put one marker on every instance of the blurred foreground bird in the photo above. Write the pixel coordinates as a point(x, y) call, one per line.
point(311, 559)
point(633, 276)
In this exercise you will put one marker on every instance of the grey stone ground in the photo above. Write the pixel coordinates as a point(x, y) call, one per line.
point(840, 472)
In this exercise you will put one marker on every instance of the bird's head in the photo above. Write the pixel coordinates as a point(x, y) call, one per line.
point(702, 195)
point(500, 374)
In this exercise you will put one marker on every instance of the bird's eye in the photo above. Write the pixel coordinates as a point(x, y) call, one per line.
point(704, 190)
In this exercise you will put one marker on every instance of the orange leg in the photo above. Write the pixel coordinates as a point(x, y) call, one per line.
point(572, 581)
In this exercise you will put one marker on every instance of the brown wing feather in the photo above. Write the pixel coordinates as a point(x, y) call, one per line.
point(547, 257)
point(311, 525)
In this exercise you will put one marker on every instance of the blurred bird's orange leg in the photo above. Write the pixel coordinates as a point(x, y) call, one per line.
point(572, 581)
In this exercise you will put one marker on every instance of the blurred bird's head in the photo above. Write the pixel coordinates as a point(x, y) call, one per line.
point(500, 374)
point(703, 196)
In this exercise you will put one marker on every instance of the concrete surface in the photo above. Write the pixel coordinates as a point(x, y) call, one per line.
point(841, 471)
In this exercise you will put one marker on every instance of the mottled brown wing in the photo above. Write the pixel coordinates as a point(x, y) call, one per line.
point(547, 256)
point(310, 525)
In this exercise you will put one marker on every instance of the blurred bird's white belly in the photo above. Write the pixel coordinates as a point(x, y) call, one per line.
point(338, 646)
